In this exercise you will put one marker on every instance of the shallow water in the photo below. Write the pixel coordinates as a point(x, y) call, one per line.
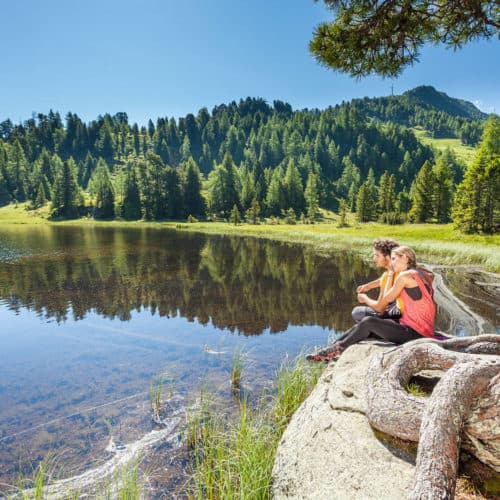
point(90, 316)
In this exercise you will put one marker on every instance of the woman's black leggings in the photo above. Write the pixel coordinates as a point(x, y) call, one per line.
point(385, 329)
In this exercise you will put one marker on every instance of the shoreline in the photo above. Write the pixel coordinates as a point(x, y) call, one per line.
point(436, 244)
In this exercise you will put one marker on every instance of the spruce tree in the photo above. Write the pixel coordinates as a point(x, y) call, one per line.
point(311, 195)
point(40, 198)
point(294, 191)
point(235, 217)
point(105, 197)
point(67, 196)
point(386, 194)
point(174, 208)
point(17, 168)
point(443, 190)
point(194, 203)
point(275, 197)
point(477, 200)
point(422, 209)
point(131, 203)
point(252, 214)
point(365, 204)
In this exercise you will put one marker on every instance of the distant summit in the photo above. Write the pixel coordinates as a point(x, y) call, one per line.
point(429, 98)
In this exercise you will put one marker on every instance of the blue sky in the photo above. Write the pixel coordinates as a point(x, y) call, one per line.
point(169, 58)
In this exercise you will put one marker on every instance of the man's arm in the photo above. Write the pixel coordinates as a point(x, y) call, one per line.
point(368, 286)
point(380, 304)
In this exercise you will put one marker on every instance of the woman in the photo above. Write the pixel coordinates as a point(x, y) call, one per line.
point(413, 288)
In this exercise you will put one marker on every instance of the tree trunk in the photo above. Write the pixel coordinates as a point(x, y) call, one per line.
point(463, 409)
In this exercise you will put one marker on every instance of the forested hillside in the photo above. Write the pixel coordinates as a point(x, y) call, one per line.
point(243, 158)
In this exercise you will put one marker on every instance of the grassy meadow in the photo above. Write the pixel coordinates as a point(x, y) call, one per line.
point(463, 153)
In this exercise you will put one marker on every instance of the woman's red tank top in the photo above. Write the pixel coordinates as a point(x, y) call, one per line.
point(419, 314)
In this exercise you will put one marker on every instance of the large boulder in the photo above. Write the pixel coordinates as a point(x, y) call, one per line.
point(330, 451)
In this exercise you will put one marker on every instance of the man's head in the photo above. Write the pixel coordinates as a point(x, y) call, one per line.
point(382, 252)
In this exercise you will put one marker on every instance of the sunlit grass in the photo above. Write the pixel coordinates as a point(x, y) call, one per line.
point(416, 390)
point(236, 369)
point(434, 243)
point(234, 458)
point(17, 213)
point(462, 152)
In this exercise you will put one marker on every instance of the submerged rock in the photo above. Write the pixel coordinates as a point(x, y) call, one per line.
point(330, 451)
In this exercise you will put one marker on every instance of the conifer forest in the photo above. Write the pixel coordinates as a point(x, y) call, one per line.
point(247, 160)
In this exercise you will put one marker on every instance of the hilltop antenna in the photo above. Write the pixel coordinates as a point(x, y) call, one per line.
point(392, 89)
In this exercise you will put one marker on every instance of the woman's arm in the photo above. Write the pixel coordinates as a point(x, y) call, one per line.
point(380, 304)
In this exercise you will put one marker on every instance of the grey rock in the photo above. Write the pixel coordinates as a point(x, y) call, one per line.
point(330, 451)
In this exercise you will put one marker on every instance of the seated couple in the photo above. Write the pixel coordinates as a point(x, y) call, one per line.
point(405, 288)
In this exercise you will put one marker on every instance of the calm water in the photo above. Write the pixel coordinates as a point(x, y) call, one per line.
point(89, 317)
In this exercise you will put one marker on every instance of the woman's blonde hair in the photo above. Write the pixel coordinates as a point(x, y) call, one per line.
point(409, 253)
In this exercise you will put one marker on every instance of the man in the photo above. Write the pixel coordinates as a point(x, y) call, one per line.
point(382, 258)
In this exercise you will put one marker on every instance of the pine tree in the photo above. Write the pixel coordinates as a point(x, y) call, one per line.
point(105, 197)
point(275, 197)
point(443, 190)
point(422, 193)
point(67, 197)
point(386, 194)
point(18, 172)
point(40, 199)
point(173, 194)
point(252, 214)
point(365, 204)
point(247, 187)
point(194, 203)
point(311, 195)
point(235, 217)
point(294, 191)
point(477, 200)
point(131, 203)
point(222, 188)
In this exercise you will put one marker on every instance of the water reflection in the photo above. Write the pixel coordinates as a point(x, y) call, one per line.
point(89, 315)
point(241, 284)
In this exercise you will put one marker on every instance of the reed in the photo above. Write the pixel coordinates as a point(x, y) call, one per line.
point(236, 369)
point(233, 458)
point(155, 393)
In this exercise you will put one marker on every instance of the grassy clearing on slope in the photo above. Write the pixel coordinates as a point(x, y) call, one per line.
point(463, 153)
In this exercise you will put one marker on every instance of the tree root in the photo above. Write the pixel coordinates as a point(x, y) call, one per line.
point(463, 410)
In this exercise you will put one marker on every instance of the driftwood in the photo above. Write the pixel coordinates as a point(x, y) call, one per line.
point(463, 410)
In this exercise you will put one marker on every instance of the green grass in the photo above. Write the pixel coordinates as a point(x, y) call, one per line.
point(236, 369)
point(234, 459)
point(464, 153)
point(127, 484)
point(155, 392)
point(416, 390)
point(434, 243)
point(18, 214)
